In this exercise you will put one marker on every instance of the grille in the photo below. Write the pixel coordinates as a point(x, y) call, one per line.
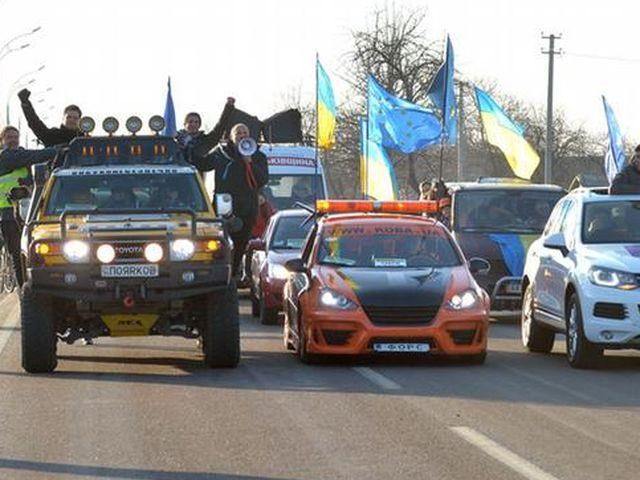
point(615, 311)
point(337, 337)
point(401, 315)
point(462, 337)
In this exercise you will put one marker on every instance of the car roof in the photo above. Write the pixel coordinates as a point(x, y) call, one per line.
point(600, 194)
point(464, 186)
point(82, 171)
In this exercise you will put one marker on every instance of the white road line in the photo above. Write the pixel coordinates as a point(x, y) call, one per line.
point(502, 454)
point(377, 378)
point(10, 324)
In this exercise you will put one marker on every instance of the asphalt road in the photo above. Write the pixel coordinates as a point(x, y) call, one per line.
point(147, 409)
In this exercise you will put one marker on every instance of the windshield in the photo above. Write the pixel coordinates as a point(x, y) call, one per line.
point(289, 233)
point(519, 211)
point(387, 247)
point(283, 191)
point(611, 222)
point(124, 192)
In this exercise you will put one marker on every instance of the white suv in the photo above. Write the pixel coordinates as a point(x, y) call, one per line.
point(582, 277)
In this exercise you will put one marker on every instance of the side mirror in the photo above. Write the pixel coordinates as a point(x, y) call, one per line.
point(479, 265)
point(556, 241)
point(257, 244)
point(224, 204)
point(23, 207)
point(19, 193)
point(295, 265)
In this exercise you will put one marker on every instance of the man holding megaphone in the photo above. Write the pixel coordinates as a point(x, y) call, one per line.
point(241, 170)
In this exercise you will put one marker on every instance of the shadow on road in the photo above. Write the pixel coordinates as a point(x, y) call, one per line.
point(88, 471)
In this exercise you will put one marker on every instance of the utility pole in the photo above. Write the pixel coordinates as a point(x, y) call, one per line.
point(461, 133)
point(548, 154)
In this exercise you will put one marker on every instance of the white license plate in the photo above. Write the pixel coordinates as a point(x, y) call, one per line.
point(512, 287)
point(401, 347)
point(130, 271)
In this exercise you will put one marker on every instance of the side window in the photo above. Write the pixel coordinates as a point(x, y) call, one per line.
point(308, 246)
point(568, 224)
point(554, 218)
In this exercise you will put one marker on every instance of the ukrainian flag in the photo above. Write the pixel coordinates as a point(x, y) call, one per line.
point(378, 178)
point(326, 109)
point(507, 135)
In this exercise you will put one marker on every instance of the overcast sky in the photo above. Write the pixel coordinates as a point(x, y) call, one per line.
point(113, 57)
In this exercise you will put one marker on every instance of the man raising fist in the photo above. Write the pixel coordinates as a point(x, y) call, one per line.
point(56, 135)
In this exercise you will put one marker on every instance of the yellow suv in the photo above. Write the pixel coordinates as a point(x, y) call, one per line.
point(122, 240)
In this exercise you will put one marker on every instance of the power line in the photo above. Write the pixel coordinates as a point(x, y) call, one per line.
point(603, 57)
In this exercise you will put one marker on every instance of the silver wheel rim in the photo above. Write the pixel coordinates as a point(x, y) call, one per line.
point(526, 319)
point(572, 332)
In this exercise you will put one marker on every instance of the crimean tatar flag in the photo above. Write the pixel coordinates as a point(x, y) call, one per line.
point(507, 135)
point(326, 109)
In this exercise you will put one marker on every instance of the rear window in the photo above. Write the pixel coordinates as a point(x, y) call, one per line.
point(283, 191)
point(290, 233)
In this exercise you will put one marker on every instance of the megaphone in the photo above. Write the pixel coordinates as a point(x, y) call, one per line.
point(247, 146)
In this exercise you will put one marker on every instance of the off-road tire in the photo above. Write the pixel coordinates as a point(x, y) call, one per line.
point(39, 340)
point(535, 337)
point(581, 353)
point(221, 336)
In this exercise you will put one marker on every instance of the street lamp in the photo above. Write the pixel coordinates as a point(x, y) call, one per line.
point(19, 83)
point(8, 48)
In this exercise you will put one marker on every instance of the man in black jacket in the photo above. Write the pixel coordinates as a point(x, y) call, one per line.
point(49, 137)
point(240, 176)
point(14, 164)
point(196, 140)
point(627, 181)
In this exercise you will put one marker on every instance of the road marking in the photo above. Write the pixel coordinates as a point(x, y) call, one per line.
point(502, 454)
point(11, 323)
point(377, 378)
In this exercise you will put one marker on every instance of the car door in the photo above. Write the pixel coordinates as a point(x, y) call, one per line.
point(542, 281)
point(298, 283)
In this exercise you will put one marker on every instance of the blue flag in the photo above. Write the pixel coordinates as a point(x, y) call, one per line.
point(399, 124)
point(443, 96)
point(614, 159)
point(169, 114)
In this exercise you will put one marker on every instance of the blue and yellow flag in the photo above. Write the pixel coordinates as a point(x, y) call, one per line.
point(377, 177)
point(507, 135)
point(443, 96)
point(326, 109)
point(399, 124)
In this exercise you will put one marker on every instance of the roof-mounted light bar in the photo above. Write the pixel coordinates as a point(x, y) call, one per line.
point(371, 206)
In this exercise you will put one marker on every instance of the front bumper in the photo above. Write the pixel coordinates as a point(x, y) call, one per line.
point(89, 286)
point(598, 303)
point(506, 294)
point(351, 332)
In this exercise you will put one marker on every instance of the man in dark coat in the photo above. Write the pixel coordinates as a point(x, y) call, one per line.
point(49, 137)
point(196, 140)
point(627, 181)
point(242, 177)
point(14, 164)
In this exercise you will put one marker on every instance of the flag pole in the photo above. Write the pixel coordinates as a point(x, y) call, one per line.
point(315, 176)
point(444, 108)
point(366, 150)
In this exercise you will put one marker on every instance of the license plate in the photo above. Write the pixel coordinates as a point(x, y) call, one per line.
point(130, 271)
point(401, 347)
point(513, 287)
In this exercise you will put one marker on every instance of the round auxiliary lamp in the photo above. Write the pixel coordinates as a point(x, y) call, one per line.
point(87, 125)
point(133, 124)
point(110, 125)
point(156, 124)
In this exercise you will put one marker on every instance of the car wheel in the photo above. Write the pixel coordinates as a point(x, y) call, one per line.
point(286, 331)
point(535, 337)
point(221, 336)
point(255, 305)
point(581, 353)
point(39, 341)
point(268, 316)
point(303, 354)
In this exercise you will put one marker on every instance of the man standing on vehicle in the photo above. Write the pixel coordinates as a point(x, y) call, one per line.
point(201, 143)
point(627, 181)
point(14, 164)
point(242, 177)
point(49, 137)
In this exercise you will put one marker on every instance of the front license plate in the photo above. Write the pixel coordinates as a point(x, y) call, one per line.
point(130, 271)
point(401, 347)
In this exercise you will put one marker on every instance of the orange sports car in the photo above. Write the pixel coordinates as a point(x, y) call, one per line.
point(379, 280)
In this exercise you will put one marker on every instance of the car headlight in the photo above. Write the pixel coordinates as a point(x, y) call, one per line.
point(153, 252)
point(278, 271)
point(607, 277)
point(331, 299)
point(182, 249)
point(463, 300)
point(76, 251)
point(105, 253)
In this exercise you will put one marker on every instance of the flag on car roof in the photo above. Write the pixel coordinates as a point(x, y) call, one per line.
point(326, 109)
point(614, 158)
point(507, 135)
point(169, 114)
point(399, 124)
point(443, 96)
point(377, 176)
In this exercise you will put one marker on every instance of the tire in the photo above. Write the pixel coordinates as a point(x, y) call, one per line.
point(38, 333)
point(535, 337)
point(581, 353)
point(268, 316)
point(221, 336)
point(303, 355)
point(255, 304)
